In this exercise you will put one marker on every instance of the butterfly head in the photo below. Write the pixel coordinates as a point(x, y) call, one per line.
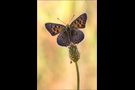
point(68, 28)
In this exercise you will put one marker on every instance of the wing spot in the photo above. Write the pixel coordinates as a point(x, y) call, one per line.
point(83, 25)
point(81, 21)
point(55, 31)
point(52, 29)
point(57, 26)
point(80, 25)
point(59, 30)
point(77, 21)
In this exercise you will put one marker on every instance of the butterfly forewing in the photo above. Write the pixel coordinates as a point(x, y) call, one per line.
point(79, 22)
point(54, 28)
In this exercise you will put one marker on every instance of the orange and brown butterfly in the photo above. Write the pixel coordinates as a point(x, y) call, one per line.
point(69, 33)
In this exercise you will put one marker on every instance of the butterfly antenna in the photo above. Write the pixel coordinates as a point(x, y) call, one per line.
point(71, 18)
point(61, 21)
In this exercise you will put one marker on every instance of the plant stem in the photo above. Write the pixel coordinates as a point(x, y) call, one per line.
point(77, 70)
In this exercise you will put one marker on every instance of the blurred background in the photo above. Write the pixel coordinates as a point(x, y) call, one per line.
point(54, 70)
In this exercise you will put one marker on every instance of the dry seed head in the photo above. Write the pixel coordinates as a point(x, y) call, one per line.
point(74, 54)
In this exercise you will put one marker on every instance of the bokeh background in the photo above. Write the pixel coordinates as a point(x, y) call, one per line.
point(54, 70)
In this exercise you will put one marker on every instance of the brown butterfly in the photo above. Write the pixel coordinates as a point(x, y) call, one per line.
point(69, 33)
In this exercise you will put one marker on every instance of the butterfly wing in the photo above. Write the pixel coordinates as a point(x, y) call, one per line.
point(79, 22)
point(63, 39)
point(54, 28)
point(76, 36)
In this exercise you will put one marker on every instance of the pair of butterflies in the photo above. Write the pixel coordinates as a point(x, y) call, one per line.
point(69, 33)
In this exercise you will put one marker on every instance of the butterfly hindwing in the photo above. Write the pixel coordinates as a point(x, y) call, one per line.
point(79, 22)
point(76, 36)
point(54, 28)
point(63, 39)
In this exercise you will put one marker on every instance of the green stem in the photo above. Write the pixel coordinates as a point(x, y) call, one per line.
point(77, 69)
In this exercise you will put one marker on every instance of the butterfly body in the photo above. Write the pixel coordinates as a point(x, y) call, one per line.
point(68, 29)
point(69, 33)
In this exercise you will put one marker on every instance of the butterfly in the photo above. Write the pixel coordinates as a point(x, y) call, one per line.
point(70, 33)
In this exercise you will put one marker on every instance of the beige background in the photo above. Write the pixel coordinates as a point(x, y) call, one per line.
point(54, 70)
